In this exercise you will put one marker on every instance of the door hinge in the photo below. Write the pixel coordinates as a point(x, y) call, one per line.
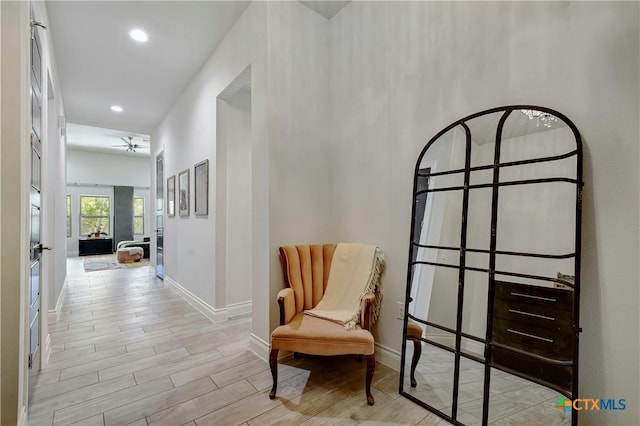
point(30, 360)
point(33, 25)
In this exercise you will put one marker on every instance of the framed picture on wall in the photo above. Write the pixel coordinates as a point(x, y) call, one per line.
point(183, 193)
point(171, 196)
point(201, 188)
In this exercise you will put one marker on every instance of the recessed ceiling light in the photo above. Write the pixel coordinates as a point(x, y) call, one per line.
point(116, 108)
point(138, 35)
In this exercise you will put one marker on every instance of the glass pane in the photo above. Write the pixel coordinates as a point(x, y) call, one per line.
point(483, 136)
point(138, 225)
point(479, 223)
point(447, 152)
point(35, 169)
point(531, 134)
point(68, 215)
point(474, 311)
point(537, 218)
point(440, 225)
point(89, 225)
point(517, 401)
point(95, 206)
point(470, 392)
point(444, 297)
point(434, 292)
point(433, 375)
point(138, 206)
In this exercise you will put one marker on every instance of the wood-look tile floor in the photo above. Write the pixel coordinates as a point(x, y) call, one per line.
point(127, 350)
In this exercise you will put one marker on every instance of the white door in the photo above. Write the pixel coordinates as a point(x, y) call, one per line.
point(35, 244)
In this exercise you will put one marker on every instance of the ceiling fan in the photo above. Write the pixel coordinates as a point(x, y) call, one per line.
point(131, 147)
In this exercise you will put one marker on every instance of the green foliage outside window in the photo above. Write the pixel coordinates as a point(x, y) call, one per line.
point(138, 215)
point(95, 213)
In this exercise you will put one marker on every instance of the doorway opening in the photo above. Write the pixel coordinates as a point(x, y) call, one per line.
point(234, 200)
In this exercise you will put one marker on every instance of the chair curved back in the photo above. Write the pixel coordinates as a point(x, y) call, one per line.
point(306, 270)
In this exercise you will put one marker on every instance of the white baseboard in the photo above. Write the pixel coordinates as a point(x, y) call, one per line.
point(235, 310)
point(47, 350)
point(215, 315)
point(22, 416)
point(444, 339)
point(388, 357)
point(468, 345)
point(52, 315)
point(259, 347)
point(473, 347)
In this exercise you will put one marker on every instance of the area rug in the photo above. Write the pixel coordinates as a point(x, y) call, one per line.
point(107, 262)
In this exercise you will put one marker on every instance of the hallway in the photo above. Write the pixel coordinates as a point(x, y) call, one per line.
point(127, 350)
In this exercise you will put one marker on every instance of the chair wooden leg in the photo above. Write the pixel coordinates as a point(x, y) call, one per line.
point(417, 352)
point(371, 368)
point(273, 363)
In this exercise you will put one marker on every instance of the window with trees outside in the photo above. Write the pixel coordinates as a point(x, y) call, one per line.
point(68, 215)
point(138, 215)
point(95, 214)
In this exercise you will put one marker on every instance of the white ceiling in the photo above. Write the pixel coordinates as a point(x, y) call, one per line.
point(99, 65)
point(109, 141)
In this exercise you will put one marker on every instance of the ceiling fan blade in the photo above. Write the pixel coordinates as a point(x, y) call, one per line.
point(125, 141)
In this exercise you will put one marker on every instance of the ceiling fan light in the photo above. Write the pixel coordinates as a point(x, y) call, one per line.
point(138, 35)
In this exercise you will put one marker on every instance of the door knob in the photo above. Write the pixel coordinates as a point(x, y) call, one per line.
point(40, 248)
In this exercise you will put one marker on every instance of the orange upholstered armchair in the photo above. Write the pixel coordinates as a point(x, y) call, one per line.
point(306, 270)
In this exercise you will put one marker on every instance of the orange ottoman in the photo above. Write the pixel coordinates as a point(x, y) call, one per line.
point(129, 254)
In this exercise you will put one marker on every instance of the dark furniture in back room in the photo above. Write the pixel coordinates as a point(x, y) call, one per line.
point(91, 246)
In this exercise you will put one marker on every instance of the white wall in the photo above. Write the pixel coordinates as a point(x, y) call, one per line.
point(96, 173)
point(14, 169)
point(400, 72)
point(187, 135)
point(300, 169)
point(107, 169)
point(290, 174)
point(337, 125)
point(238, 197)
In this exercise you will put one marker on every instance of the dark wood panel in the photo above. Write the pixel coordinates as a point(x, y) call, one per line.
point(537, 320)
point(534, 369)
point(545, 297)
point(553, 344)
point(533, 317)
point(89, 247)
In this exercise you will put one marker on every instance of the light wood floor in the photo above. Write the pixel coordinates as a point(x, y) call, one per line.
point(125, 349)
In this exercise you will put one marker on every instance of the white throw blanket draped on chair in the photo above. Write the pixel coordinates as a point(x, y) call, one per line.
point(355, 271)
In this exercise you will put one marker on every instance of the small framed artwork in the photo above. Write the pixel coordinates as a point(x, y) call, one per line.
point(171, 196)
point(183, 193)
point(201, 188)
